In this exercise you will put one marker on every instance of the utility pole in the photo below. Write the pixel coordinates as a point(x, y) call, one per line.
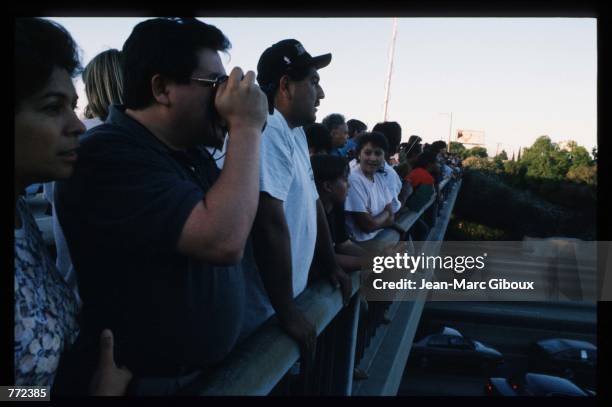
point(389, 70)
point(450, 131)
point(497, 150)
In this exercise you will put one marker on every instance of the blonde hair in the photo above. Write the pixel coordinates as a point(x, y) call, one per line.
point(103, 83)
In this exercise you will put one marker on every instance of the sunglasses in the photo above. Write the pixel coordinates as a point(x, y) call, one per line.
point(211, 83)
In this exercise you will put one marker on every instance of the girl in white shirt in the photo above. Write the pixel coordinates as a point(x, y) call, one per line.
point(369, 201)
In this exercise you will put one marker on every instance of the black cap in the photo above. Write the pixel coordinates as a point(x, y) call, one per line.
point(283, 56)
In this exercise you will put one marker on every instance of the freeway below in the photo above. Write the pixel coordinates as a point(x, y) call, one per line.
point(509, 327)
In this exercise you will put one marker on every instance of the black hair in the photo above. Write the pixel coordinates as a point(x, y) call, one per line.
point(40, 46)
point(426, 158)
point(415, 150)
point(410, 150)
point(355, 125)
point(318, 137)
point(438, 146)
point(393, 133)
point(414, 139)
point(375, 138)
point(294, 74)
point(333, 121)
point(168, 47)
point(328, 168)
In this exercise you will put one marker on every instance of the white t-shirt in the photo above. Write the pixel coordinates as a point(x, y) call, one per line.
point(286, 174)
point(394, 183)
point(365, 196)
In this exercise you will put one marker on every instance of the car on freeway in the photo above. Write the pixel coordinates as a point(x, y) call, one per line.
point(534, 384)
point(450, 349)
point(573, 359)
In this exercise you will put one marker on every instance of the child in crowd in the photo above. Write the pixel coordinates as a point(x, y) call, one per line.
point(369, 202)
point(331, 177)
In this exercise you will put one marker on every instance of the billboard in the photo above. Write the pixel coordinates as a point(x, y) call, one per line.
point(475, 137)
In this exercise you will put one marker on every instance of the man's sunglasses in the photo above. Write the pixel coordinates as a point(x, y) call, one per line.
point(211, 83)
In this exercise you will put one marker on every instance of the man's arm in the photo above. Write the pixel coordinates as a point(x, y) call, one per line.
point(324, 259)
point(272, 249)
point(350, 256)
point(218, 227)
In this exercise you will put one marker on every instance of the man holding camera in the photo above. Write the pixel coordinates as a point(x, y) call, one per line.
point(156, 232)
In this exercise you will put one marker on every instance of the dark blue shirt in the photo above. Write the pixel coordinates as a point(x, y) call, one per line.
point(122, 212)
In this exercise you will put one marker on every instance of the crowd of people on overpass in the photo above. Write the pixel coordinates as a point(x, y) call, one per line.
point(192, 204)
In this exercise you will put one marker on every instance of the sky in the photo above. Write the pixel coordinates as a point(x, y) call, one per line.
point(513, 78)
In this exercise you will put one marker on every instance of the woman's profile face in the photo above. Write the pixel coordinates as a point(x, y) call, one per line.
point(47, 131)
point(371, 158)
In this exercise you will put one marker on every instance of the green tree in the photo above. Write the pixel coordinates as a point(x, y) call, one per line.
point(513, 168)
point(544, 159)
point(578, 155)
point(476, 152)
point(583, 173)
point(457, 148)
point(479, 163)
point(503, 156)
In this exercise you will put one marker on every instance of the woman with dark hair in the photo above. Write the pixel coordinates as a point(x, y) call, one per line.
point(46, 140)
point(426, 163)
point(369, 201)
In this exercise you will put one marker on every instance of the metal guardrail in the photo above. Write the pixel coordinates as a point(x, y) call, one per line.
point(390, 348)
point(257, 365)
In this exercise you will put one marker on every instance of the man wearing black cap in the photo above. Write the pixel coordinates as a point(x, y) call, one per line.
point(290, 233)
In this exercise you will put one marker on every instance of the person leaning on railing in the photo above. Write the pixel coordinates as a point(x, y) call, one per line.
point(46, 138)
point(369, 202)
point(290, 233)
point(156, 231)
point(331, 176)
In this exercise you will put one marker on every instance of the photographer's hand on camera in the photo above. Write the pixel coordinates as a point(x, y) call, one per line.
point(241, 103)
